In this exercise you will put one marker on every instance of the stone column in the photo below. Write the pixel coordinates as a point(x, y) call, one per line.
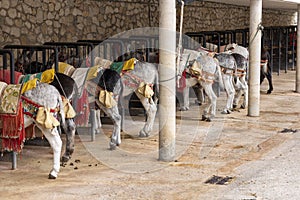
point(298, 53)
point(167, 69)
point(254, 57)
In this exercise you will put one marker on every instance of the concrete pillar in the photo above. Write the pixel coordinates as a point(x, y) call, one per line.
point(167, 69)
point(298, 53)
point(254, 57)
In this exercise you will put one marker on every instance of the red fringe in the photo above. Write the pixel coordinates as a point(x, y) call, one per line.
point(182, 82)
point(12, 131)
point(82, 118)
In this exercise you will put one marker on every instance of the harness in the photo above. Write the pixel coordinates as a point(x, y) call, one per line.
point(201, 75)
point(31, 108)
point(238, 72)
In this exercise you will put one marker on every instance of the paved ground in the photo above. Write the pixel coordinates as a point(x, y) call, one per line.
point(258, 158)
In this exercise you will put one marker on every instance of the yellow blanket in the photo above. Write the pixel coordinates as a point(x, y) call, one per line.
point(93, 72)
point(129, 64)
point(29, 85)
point(46, 77)
point(65, 68)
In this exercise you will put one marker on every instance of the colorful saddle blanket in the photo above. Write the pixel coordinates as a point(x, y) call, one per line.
point(9, 98)
point(123, 66)
point(12, 131)
point(29, 81)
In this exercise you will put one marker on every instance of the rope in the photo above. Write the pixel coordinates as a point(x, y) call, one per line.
point(60, 86)
point(259, 28)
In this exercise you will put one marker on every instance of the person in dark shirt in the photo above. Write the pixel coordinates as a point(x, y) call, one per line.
point(266, 69)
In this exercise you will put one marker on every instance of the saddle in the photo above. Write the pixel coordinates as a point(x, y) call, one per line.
point(196, 70)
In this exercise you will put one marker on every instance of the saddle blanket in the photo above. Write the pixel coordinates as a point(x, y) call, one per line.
point(29, 80)
point(9, 98)
point(12, 131)
point(123, 66)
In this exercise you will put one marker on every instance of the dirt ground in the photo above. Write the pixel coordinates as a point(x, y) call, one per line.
point(227, 147)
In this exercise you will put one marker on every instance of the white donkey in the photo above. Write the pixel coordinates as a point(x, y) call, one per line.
point(229, 68)
point(241, 56)
point(48, 97)
point(233, 62)
point(204, 70)
point(139, 80)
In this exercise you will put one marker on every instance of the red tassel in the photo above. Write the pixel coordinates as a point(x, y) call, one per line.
point(12, 131)
point(82, 118)
point(182, 82)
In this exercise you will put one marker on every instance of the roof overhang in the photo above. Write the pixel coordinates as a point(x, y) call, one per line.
point(270, 4)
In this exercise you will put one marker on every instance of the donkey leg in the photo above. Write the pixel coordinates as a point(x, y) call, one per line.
point(55, 142)
point(98, 121)
point(212, 102)
point(151, 109)
point(186, 99)
point(227, 80)
point(116, 134)
point(70, 140)
point(113, 113)
point(200, 96)
point(245, 91)
point(238, 88)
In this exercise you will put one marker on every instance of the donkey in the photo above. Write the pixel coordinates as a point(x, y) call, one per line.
point(48, 97)
point(241, 55)
point(229, 68)
point(240, 80)
point(63, 83)
point(143, 76)
point(67, 88)
point(121, 87)
point(204, 70)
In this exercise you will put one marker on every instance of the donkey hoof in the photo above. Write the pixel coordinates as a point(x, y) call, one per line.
point(203, 118)
point(269, 91)
point(97, 131)
point(143, 134)
point(208, 119)
point(243, 106)
point(65, 159)
point(112, 146)
point(226, 112)
point(197, 102)
point(52, 174)
point(183, 109)
point(234, 106)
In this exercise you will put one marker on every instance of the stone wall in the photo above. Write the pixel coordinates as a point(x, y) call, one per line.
point(39, 21)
